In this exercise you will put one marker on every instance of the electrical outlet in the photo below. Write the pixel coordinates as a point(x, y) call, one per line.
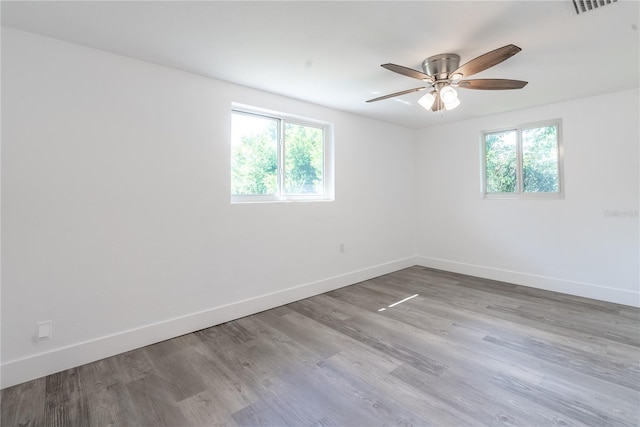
point(44, 330)
point(341, 248)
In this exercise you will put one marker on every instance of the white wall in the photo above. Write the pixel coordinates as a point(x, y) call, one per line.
point(568, 245)
point(116, 220)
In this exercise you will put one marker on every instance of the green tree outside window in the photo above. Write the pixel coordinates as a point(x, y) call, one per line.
point(273, 156)
point(524, 160)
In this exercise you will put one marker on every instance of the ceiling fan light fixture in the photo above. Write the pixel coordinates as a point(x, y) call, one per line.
point(427, 100)
point(456, 77)
point(451, 105)
point(448, 95)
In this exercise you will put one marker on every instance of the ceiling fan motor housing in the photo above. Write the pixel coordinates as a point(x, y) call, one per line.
point(440, 66)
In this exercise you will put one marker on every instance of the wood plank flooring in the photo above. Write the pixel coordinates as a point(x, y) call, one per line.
point(463, 351)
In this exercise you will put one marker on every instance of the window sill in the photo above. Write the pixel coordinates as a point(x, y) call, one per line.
point(523, 196)
point(243, 200)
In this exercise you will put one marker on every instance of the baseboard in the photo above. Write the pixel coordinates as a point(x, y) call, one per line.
point(581, 289)
point(56, 360)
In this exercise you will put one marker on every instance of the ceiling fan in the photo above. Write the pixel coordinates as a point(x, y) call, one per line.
point(442, 73)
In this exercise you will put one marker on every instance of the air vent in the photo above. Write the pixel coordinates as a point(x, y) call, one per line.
point(582, 6)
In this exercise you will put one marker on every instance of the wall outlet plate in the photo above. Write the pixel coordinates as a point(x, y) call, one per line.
point(44, 330)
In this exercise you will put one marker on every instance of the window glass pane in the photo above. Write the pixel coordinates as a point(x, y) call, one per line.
point(303, 159)
point(540, 159)
point(501, 162)
point(254, 155)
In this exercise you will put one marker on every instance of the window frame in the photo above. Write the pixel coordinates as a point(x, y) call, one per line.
point(520, 193)
point(283, 119)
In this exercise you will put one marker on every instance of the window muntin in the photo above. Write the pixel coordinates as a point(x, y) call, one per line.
point(276, 157)
point(525, 161)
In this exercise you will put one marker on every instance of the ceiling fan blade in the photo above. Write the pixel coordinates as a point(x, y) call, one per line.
point(437, 104)
point(391, 95)
point(491, 84)
point(409, 72)
point(487, 60)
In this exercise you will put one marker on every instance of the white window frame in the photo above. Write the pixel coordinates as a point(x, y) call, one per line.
point(328, 157)
point(520, 194)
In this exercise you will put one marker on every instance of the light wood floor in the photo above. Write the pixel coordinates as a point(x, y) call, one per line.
point(463, 352)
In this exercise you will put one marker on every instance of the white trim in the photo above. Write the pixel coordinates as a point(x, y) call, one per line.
point(38, 365)
point(570, 287)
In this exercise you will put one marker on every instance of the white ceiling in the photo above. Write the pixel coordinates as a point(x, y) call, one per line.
point(329, 52)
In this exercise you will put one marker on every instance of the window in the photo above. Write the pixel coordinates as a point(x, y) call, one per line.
point(523, 162)
point(277, 157)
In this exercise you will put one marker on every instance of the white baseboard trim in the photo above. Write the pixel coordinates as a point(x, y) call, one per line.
point(581, 289)
point(38, 365)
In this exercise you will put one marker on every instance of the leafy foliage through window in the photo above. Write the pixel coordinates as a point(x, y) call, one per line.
point(523, 161)
point(277, 158)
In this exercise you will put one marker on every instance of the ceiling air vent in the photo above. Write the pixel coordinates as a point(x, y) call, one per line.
point(582, 6)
